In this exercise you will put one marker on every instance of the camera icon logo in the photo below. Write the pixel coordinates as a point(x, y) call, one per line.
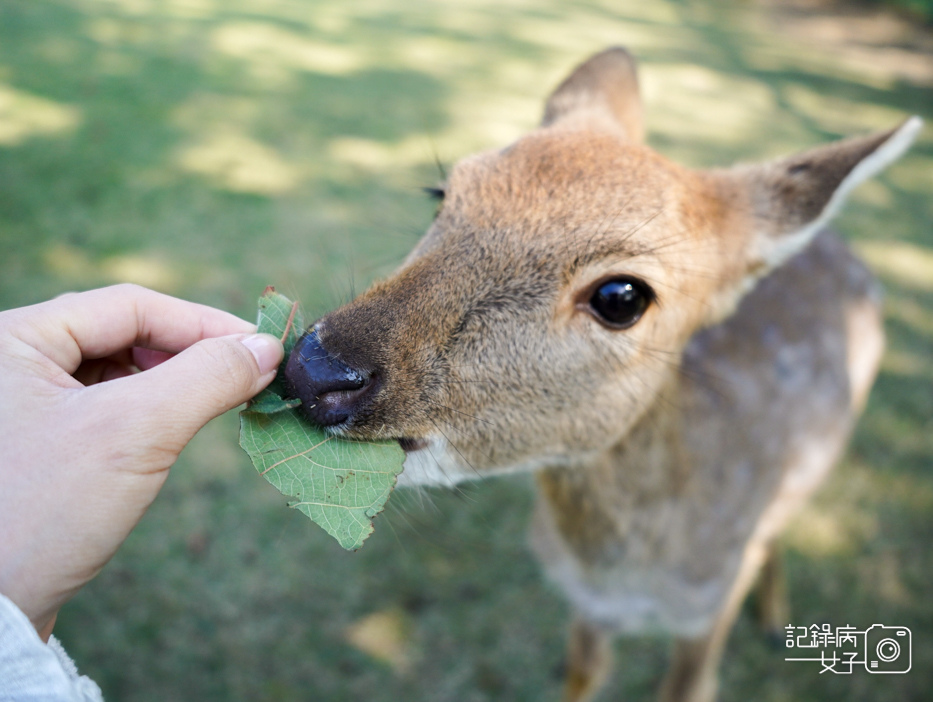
point(887, 649)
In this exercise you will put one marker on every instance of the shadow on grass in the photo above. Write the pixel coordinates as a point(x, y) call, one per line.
point(208, 149)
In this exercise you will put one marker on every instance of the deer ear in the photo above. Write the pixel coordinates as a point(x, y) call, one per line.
point(606, 83)
point(791, 199)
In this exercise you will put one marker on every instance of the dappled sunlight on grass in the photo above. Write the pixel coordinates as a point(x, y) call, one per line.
point(23, 116)
point(687, 103)
point(840, 115)
point(208, 148)
point(271, 50)
point(906, 264)
point(916, 175)
point(112, 32)
point(878, 46)
point(386, 636)
point(696, 104)
point(75, 268)
point(142, 270)
point(819, 531)
point(235, 161)
point(378, 156)
point(907, 364)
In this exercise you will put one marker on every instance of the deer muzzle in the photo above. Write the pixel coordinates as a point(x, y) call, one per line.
point(331, 392)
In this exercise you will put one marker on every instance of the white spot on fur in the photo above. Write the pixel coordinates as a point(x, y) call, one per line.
point(440, 464)
point(436, 464)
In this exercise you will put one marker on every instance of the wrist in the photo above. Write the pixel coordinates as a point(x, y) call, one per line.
point(41, 617)
point(45, 629)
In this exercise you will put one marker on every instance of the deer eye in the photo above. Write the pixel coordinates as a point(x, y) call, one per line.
point(620, 302)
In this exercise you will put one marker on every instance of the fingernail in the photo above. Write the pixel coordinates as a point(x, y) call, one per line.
point(266, 349)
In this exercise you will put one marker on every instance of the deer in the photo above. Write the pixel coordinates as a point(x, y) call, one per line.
point(679, 356)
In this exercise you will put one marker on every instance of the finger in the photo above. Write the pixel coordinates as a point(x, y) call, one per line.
point(177, 397)
point(118, 365)
point(100, 322)
point(144, 359)
point(114, 371)
point(98, 370)
point(89, 372)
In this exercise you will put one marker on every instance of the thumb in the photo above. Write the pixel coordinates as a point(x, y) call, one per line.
point(205, 380)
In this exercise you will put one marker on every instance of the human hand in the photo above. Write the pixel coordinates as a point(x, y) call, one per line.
point(82, 459)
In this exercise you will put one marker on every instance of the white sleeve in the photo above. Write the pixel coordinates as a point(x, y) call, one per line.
point(31, 671)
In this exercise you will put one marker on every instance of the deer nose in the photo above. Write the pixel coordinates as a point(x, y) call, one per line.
point(330, 391)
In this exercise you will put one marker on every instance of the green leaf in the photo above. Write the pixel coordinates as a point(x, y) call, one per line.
point(268, 402)
point(341, 485)
point(280, 317)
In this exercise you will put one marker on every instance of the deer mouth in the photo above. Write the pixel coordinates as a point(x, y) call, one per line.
point(433, 461)
point(410, 445)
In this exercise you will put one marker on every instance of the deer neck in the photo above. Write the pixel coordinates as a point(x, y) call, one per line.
point(596, 503)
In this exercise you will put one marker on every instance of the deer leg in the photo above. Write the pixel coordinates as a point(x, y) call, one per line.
point(694, 672)
point(773, 606)
point(589, 661)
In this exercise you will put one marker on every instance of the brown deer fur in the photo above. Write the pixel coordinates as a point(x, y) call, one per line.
point(669, 454)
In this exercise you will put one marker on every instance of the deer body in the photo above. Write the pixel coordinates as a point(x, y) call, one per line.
point(651, 534)
point(680, 356)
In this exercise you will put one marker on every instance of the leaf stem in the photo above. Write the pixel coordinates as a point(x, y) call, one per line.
point(288, 324)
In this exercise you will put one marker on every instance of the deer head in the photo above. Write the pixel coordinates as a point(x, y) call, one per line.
point(549, 302)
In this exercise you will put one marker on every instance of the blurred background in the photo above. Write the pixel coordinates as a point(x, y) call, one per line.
point(207, 148)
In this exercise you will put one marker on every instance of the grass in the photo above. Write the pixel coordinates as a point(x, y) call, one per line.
point(209, 148)
point(922, 9)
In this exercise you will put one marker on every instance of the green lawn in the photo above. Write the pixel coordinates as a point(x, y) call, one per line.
point(207, 148)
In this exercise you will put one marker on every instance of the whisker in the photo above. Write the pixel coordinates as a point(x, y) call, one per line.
point(465, 414)
point(455, 447)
